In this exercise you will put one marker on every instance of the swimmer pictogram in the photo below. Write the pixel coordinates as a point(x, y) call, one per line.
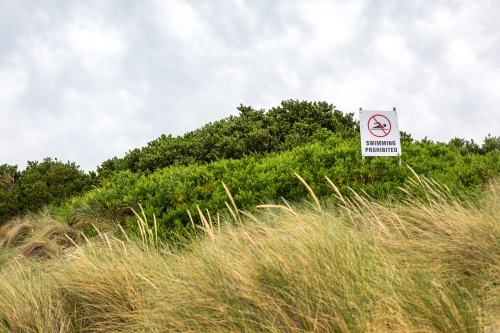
point(379, 133)
point(379, 125)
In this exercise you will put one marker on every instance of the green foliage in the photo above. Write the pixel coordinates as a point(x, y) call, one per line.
point(256, 154)
point(9, 177)
point(491, 143)
point(171, 192)
point(289, 125)
point(40, 184)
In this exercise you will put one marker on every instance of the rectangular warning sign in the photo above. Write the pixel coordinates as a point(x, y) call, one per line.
point(379, 133)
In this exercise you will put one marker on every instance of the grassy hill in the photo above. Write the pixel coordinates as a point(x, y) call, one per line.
point(256, 154)
point(172, 192)
point(429, 264)
point(264, 222)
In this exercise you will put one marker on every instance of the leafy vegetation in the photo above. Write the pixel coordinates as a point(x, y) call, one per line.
point(384, 248)
point(256, 154)
point(289, 125)
point(491, 143)
point(174, 191)
point(40, 184)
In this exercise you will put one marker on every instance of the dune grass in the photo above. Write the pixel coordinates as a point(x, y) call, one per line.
point(425, 265)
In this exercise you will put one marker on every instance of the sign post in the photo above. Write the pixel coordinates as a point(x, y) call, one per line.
point(379, 133)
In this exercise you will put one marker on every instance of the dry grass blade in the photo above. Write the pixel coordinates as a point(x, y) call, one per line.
point(335, 188)
point(18, 233)
point(311, 192)
point(206, 225)
point(39, 249)
point(236, 218)
point(149, 236)
point(421, 266)
point(283, 208)
point(232, 201)
point(250, 216)
point(191, 219)
point(141, 224)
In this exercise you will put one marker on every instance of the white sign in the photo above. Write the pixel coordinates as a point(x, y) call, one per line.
point(379, 133)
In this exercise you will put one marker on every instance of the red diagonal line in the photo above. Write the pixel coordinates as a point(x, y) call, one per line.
point(380, 125)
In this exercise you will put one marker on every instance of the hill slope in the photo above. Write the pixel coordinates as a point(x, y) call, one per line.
point(172, 192)
point(431, 265)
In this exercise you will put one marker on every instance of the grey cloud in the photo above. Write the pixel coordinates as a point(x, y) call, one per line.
point(88, 81)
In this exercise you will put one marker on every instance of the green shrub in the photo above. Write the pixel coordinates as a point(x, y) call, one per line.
point(40, 184)
point(289, 125)
point(170, 192)
point(256, 154)
point(9, 193)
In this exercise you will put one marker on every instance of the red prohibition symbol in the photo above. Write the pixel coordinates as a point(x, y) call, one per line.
point(379, 125)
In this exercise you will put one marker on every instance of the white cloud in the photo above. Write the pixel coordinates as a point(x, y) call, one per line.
point(13, 84)
point(86, 82)
point(178, 19)
point(97, 47)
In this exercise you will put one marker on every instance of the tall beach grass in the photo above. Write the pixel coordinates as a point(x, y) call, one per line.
point(424, 265)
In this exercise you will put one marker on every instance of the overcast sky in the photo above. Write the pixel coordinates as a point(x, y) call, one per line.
point(88, 80)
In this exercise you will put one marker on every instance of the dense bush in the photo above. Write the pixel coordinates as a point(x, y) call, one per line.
point(256, 154)
point(291, 124)
point(40, 184)
point(9, 178)
point(170, 192)
point(491, 143)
